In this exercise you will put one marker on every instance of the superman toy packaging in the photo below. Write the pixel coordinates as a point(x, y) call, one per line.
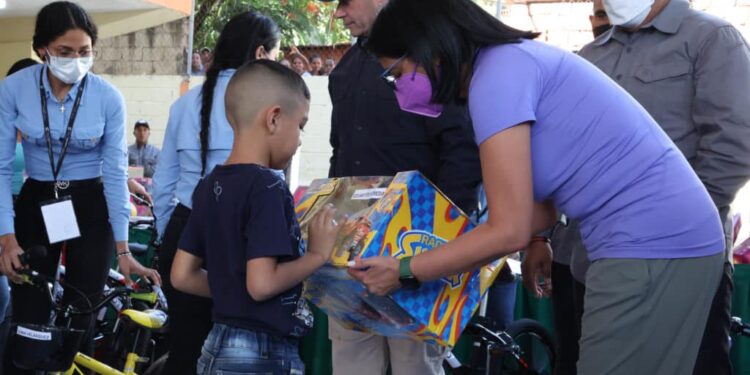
point(392, 216)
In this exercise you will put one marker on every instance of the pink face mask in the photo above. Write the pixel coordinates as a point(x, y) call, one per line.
point(413, 92)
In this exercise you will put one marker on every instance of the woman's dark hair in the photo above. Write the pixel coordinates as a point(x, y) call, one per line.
point(447, 31)
point(21, 64)
point(237, 44)
point(55, 19)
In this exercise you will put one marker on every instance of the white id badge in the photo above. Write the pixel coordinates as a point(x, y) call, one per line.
point(60, 220)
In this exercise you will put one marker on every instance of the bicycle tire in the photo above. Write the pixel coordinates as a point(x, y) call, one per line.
point(537, 349)
point(157, 367)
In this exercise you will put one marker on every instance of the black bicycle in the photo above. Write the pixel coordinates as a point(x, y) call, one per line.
point(523, 348)
point(52, 347)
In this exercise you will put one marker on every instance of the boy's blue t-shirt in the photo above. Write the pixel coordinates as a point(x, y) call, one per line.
point(243, 212)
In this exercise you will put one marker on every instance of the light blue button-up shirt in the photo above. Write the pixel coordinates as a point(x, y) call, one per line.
point(97, 147)
point(179, 167)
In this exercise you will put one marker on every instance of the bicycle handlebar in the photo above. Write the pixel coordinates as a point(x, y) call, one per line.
point(34, 278)
point(478, 329)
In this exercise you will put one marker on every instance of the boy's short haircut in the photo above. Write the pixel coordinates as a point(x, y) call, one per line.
point(315, 56)
point(267, 82)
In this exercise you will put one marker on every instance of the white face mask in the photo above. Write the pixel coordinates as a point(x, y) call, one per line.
point(67, 69)
point(627, 13)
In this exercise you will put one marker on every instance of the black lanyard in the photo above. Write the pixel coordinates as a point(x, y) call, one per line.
point(68, 132)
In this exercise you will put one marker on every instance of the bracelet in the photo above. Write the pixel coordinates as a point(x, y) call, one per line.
point(540, 239)
point(123, 254)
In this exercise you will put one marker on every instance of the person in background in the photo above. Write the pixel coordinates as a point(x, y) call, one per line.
point(372, 136)
point(244, 231)
point(85, 112)
point(316, 65)
point(196, 65)
point(197, 138)
point(568, 274)
point(18, 163)
point(286, 63)
point(300, 64)
point(20, 65)
point(691, 71)
point(141, 153)
point(555, 133)
point(599, 20)
point(328, 67)
point(206, 58)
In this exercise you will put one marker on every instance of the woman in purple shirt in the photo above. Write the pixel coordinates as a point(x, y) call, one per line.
point(555, 134)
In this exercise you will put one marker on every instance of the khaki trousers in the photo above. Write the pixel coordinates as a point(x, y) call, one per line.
point(359, 353)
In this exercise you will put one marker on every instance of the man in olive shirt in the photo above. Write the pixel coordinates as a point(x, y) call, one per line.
point(691, 71)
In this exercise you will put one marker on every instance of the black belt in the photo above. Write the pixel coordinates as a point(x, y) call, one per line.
point(64, 185)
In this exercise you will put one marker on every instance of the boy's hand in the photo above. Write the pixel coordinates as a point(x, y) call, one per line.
point(323, 231)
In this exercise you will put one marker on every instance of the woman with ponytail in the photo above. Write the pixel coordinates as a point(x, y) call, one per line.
point(197, 138)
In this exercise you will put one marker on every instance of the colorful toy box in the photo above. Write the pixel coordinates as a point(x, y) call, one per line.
point(392, 216)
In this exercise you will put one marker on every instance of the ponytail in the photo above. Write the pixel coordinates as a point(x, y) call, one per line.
point(237, 43)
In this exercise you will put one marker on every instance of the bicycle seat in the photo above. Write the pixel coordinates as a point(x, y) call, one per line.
point(151, 319)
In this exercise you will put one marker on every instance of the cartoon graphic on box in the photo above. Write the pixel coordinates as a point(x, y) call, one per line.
point(396, 216)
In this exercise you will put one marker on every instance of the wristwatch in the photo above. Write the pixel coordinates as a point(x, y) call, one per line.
point(405, 277)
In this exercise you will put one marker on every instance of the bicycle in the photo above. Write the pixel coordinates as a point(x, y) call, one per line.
point(113, 336)
point(116, 335)
point(523, 348)
point(52, 348)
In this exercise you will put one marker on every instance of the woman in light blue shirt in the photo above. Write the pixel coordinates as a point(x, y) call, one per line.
point(72, 126)
point(198, 137)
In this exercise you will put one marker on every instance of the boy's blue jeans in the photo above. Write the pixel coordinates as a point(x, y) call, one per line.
point(230, 351)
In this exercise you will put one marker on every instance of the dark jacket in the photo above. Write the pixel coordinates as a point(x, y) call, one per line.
point(371, 136)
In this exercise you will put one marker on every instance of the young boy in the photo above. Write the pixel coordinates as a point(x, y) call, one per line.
point(244, 232)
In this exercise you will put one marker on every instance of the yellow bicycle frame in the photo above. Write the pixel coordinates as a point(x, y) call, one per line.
point(92, 364)
point(149, 297)
point(98, 367)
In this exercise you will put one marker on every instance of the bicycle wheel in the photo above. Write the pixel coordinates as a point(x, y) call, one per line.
point(537, 353)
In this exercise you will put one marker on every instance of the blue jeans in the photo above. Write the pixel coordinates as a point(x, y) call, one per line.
point(4, 297)
point(233, 351)
point(501, 302)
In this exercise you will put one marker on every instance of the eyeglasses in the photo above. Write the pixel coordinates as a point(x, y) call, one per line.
point(66, 52)
point(389, 78)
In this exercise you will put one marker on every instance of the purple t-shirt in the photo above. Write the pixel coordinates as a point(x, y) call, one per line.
point(596, 153)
